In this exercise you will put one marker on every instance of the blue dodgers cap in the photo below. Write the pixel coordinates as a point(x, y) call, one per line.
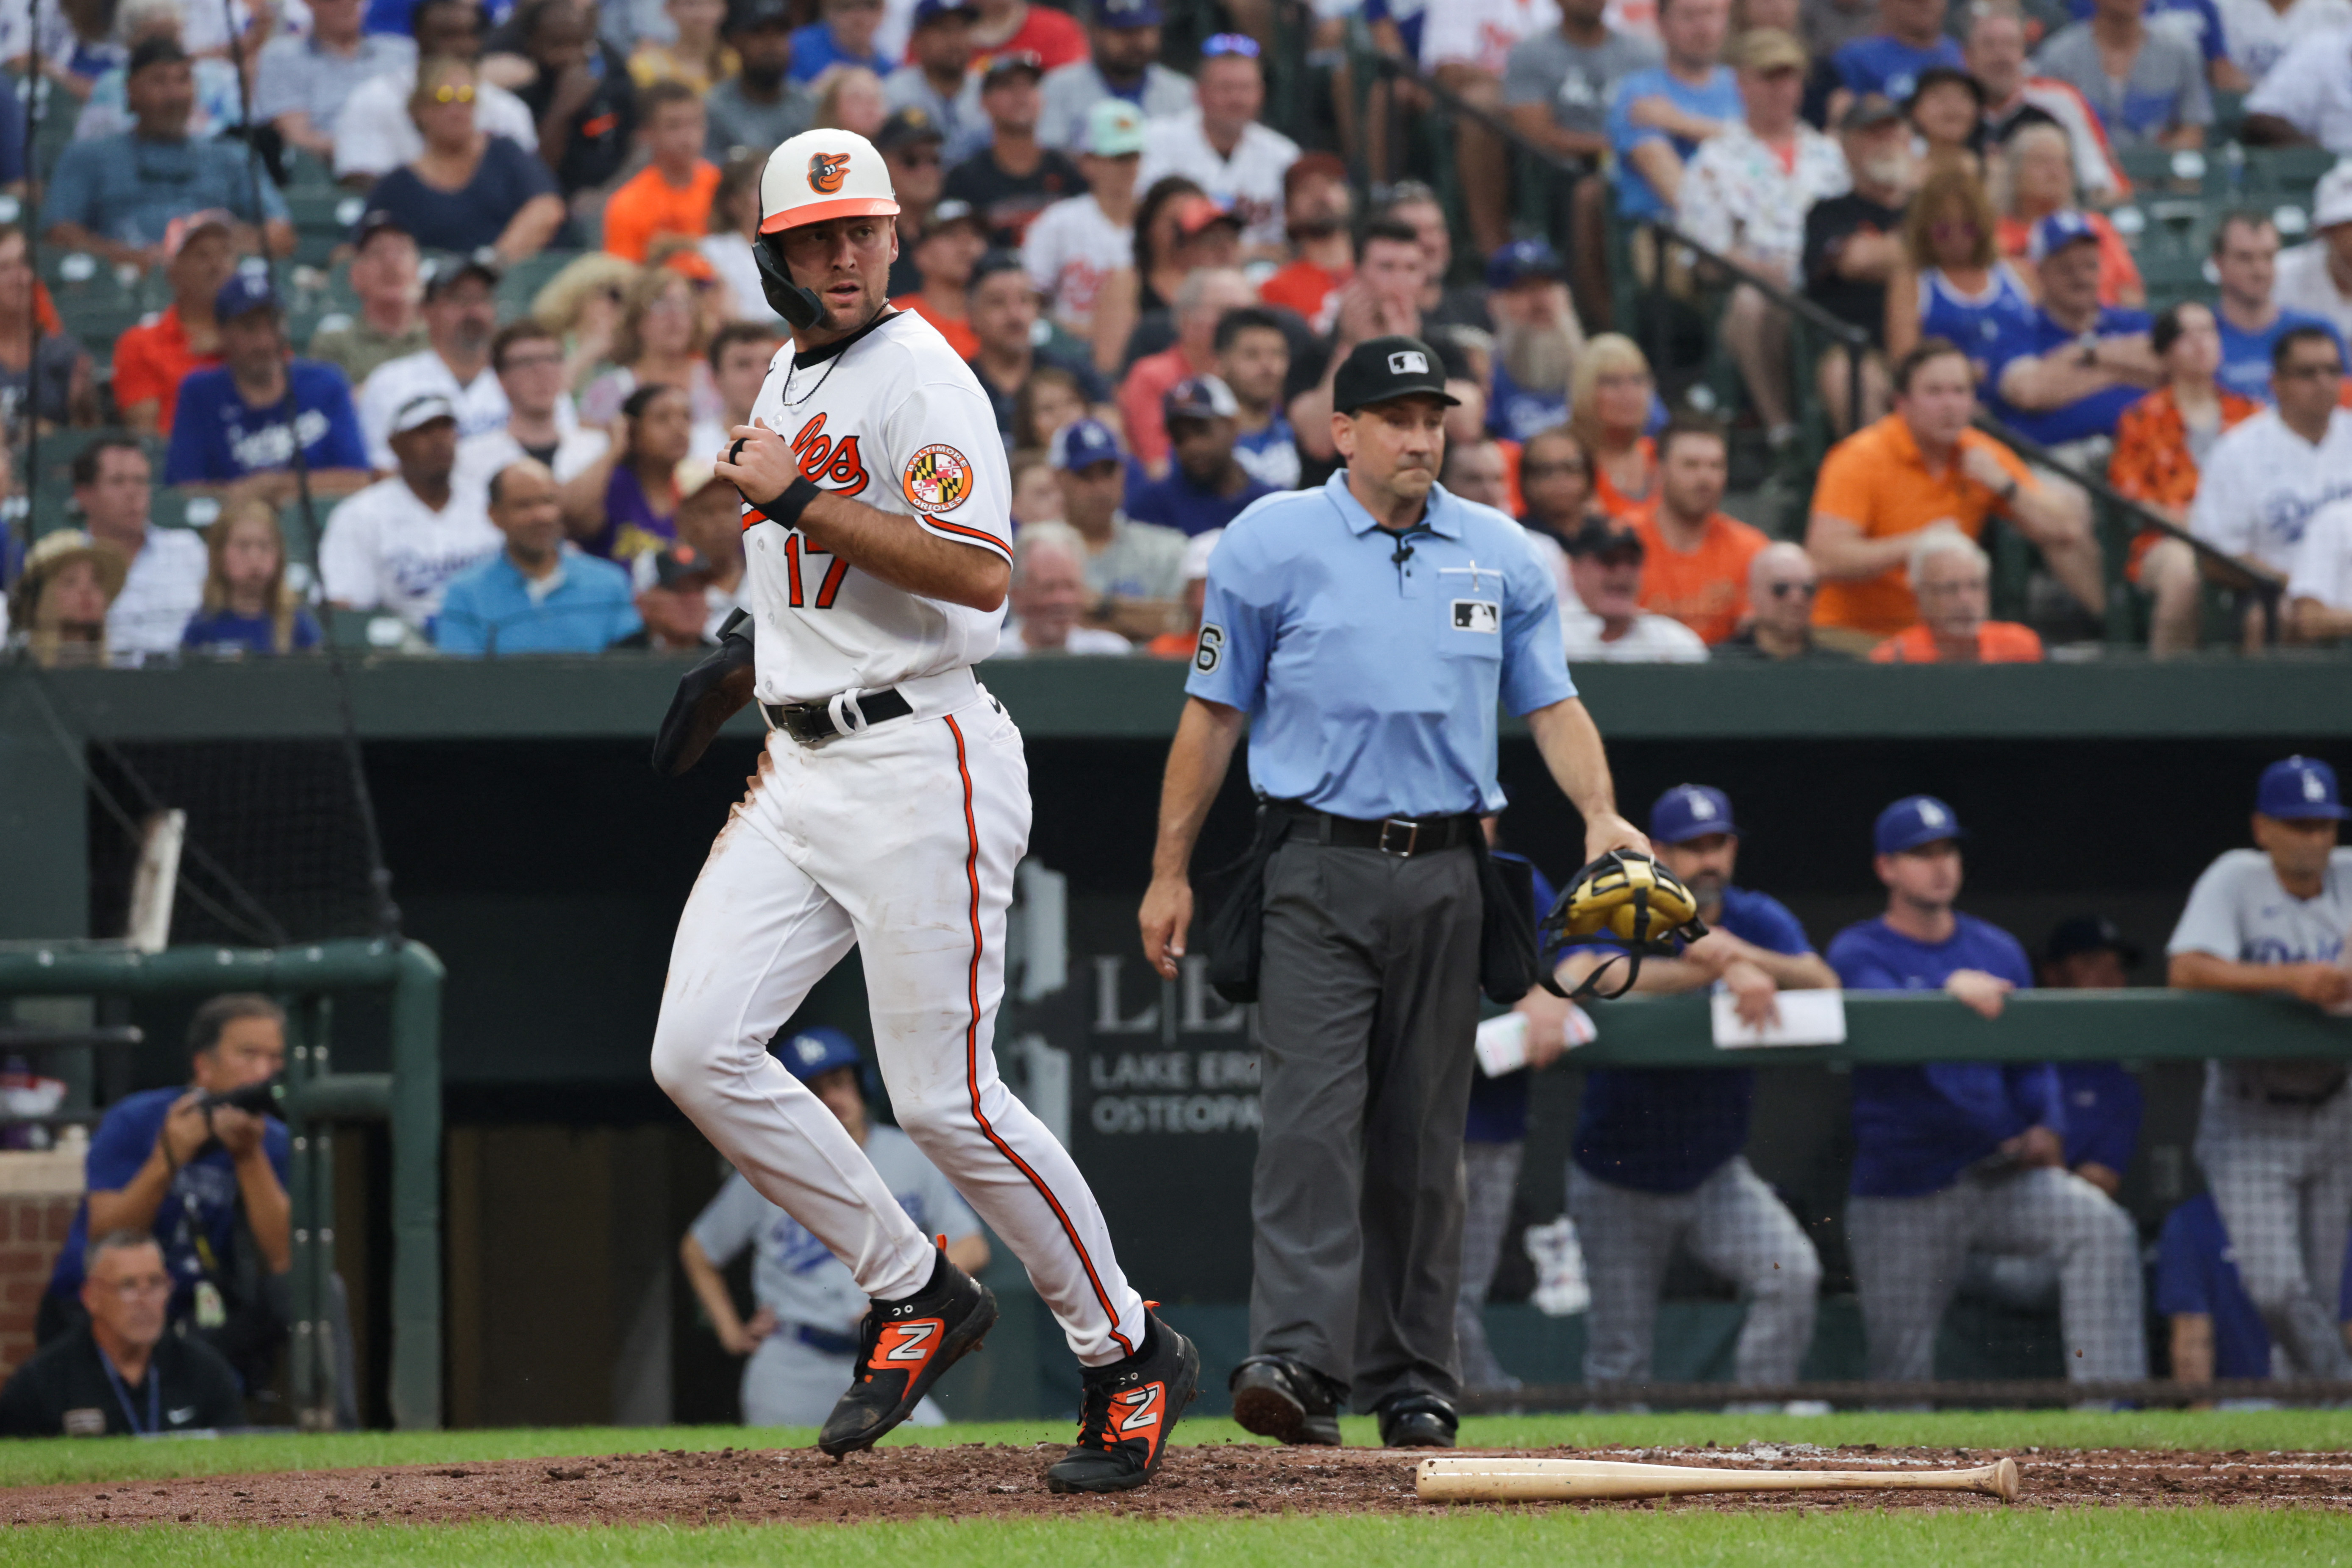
point(1127, 14)
point(1691, 811)
point(2299, 789)
point(2055, 232)
point(243, 291)
point(1914, 820)
point(1081, 443)
point(1522, 260)
point(812, 1053)
point(932, 10)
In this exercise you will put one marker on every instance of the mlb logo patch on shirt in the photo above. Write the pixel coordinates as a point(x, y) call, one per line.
point(1478, 616)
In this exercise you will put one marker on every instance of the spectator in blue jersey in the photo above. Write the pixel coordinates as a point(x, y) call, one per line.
point(1656, 1163)
point(843, 36)
point(2245, 263)
point(1658, 117)
point(1958, 1156)
point(2066, 375)
point(2213, 1326)
point(1537, 339)
point(207, 1179)
point(248, 610)
point(230, 429)
point(1954, 283)
point(541, 593)
point(1206, 487)
point(1909, 39)
point(1254, 361)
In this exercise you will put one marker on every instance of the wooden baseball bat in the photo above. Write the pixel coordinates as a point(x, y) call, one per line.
point(1475, 1480)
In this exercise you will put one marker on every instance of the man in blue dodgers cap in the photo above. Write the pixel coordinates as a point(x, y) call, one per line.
point(1366, 631)
point(2276, 1137)
point(1955, 1156)
point(804, 1334)
point(1656, 1163)
point(1125, 64)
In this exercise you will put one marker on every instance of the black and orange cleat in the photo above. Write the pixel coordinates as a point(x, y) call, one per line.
point(1130, 1406)
point(903, 1348)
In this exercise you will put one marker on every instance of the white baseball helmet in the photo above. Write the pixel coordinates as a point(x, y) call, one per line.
point(822, 174)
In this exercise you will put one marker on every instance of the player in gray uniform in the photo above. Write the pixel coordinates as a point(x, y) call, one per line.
point(2276, 1137)
point(804, 1337)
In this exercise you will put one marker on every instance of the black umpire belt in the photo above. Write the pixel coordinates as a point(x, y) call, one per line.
point(1400, 835)
point(846, 714)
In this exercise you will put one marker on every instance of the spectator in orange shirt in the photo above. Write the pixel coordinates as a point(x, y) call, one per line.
point(1201, 303)
point(2159, 442)
point(1696, 565)
point(1609, 404)
point(951, 246)
point(152, 358)
point(1317, 203)
point(671, 195)
point(1921, 465)
point(1951, 576)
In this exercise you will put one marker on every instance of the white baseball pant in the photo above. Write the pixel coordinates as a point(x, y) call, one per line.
point(900, 840)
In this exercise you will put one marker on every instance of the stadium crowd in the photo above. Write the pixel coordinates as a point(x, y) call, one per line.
point(478, 417)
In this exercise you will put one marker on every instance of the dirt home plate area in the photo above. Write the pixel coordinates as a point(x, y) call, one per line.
point(800, 1486)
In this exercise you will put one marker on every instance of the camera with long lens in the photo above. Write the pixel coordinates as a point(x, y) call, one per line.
point(253, 1099)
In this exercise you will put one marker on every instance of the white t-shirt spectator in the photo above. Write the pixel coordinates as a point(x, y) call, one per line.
point(164, 588)
point(1250, 179)
point(481, 457)
point(1481, 32)
point(1071, 251)
point(2303, 283)
point(374, 135)
point(1082, 641)
point(2310, 89)
point(386, 549)
point(2261, 484)
point(1651, 640)
point(481, 404)
point(2257, 37)
point(2323, 562)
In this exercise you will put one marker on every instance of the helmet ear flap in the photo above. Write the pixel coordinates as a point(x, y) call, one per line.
point(797, 305)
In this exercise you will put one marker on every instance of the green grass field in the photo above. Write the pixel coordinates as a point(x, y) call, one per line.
point(1827, 1536)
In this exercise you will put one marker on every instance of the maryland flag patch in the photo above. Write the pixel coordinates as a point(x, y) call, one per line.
point(939, 478)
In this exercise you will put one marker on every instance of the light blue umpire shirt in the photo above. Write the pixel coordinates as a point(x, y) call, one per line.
point(1371, 683)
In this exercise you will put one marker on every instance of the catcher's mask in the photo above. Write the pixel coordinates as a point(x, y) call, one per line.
point(1627, 896)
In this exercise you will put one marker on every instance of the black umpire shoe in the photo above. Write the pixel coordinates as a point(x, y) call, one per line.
point(1417, 1421)
point(903, 1347)
point(1130, 1406)
point(1278, 1398)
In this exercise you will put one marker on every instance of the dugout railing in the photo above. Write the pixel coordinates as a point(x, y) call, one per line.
point(307, 980)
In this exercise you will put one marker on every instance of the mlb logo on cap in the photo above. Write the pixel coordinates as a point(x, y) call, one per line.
point(1691, 811)
point(2300, 789)
point(1914, 820)
point(1409, 362)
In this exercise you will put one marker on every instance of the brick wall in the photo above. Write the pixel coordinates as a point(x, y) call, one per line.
point(35, 1215)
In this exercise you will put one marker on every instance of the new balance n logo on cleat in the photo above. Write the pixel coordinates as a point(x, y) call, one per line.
point(1130, 1406)
point(903, 1349)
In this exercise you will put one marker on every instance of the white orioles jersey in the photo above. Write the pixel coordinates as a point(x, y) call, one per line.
point(896, 420)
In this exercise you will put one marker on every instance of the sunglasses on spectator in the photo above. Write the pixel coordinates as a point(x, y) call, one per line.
point(131, 1290)
point(1782, 590)
point(451, 93)
point(1240, 44)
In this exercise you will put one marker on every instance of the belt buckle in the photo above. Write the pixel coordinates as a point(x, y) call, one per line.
point(1412, 835)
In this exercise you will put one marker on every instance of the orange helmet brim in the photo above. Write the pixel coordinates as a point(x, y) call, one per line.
point(820, 212)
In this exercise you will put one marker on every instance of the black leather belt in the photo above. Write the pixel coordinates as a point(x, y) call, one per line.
point(2285, 1097)
point(1400, 835)
point(809, 722)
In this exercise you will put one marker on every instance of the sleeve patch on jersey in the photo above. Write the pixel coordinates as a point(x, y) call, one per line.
point(939, 478)
point(1211, 650)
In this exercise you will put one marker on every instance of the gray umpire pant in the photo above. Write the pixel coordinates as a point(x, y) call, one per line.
point(1734, 1226)
point(1366, 1014)
point(2282, 1177)
point(1909, 1253)
point(1490, 1180)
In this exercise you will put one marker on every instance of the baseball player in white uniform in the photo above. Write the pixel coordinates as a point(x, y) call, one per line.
point(889, 809)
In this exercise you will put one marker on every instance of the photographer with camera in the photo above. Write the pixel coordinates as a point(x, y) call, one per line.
point(202, 1170)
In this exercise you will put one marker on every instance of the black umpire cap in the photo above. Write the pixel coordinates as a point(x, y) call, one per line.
point(1380, 369)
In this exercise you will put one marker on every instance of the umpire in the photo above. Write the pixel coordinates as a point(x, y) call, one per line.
point(1369, 629)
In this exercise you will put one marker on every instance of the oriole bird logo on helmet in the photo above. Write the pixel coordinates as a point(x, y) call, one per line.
point(826, 171)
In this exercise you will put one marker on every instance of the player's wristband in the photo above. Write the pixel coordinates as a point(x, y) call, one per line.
point(786, 508)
